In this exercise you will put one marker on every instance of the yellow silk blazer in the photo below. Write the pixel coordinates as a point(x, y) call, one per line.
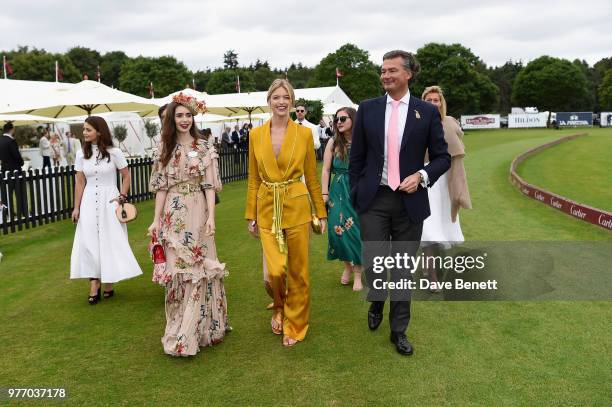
point(296, 159)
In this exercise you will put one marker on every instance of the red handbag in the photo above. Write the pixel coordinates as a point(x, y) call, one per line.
point(158, 256)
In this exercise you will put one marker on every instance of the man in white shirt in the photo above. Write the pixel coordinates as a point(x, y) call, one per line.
point(71, 146)
point(45, 149)
point(300, 113)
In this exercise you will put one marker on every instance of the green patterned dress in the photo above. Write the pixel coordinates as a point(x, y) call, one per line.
point(343, 231)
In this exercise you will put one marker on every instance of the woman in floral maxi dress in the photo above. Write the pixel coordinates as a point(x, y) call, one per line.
point(185, 181)
point(344, 239)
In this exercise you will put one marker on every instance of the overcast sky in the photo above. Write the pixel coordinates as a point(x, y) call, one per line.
point(199, 32)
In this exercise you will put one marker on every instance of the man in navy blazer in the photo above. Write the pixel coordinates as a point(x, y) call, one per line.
point(389, 181)
point(11, 161)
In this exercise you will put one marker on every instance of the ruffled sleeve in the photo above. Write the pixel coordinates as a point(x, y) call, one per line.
point(210, 167)
point(159, 175)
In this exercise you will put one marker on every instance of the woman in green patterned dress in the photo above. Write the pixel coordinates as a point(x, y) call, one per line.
point(343, 232)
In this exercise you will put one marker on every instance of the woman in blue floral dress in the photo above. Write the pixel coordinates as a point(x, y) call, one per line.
point(185, 178)
point(343, 232)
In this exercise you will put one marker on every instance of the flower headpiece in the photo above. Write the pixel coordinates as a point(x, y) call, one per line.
point(190, 103)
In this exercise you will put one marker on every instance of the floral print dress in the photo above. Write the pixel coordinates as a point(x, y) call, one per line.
point(343, 231)
point(196, 307)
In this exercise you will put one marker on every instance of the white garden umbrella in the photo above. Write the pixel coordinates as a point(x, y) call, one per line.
point(226, 105)
point(21, 119)
point(238, 104)
point(86, 97)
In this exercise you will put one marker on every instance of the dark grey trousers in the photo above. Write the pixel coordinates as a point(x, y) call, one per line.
point(385, 227)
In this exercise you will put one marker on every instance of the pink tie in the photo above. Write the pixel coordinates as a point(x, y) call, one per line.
point(393, 172)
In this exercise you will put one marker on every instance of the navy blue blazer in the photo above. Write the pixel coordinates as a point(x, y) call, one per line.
point(423, 131)
point(10, 157)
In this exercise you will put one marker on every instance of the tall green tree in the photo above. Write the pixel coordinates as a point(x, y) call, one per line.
point(201, 79)
point(599, 72)
point(39, 65)
point(167, 74)
point(552, 84)
point(263, 77)
point(605, 91)
point(110, 67)
point(591, 76)
point(360, 78)
point(503, 76)
point(224, 81)
point(298, 74)
point(85, 60)
point(461, 75)
point(230, 59)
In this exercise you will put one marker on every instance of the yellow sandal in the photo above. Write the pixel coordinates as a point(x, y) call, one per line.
point(289, 342)
point(277, 322)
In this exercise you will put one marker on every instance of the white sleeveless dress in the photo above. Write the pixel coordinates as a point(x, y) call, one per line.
point(101, 248)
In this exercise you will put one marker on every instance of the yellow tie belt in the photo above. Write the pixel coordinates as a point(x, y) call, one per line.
point(277, 214)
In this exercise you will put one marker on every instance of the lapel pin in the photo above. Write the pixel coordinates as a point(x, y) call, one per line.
point(417, 114)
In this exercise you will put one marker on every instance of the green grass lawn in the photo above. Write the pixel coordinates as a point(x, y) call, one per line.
point(466, 353)
point(586, 177)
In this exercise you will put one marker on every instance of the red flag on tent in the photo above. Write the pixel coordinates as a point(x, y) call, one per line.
point(339, 73)
point(98, 76)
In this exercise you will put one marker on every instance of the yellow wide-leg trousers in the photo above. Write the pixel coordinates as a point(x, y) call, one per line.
point(293, 297)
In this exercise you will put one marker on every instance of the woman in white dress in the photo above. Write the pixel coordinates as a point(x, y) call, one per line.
point(449, 193)
point(101, 251)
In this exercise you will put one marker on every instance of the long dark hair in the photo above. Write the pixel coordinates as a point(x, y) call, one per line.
point(168, 135)
point(340, 141)
point(105, 141)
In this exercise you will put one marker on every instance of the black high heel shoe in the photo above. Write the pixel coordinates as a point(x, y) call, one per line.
point(93, 299)
point(108, 294)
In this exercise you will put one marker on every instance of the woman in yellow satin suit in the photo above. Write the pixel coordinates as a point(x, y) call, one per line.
point(279, 209)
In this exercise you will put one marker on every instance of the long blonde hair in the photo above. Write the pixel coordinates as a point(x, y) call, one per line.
point(438, 90)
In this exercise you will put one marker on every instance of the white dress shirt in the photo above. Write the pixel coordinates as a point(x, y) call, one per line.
point(314, 131)
point(45, 147)
point(402, 111)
